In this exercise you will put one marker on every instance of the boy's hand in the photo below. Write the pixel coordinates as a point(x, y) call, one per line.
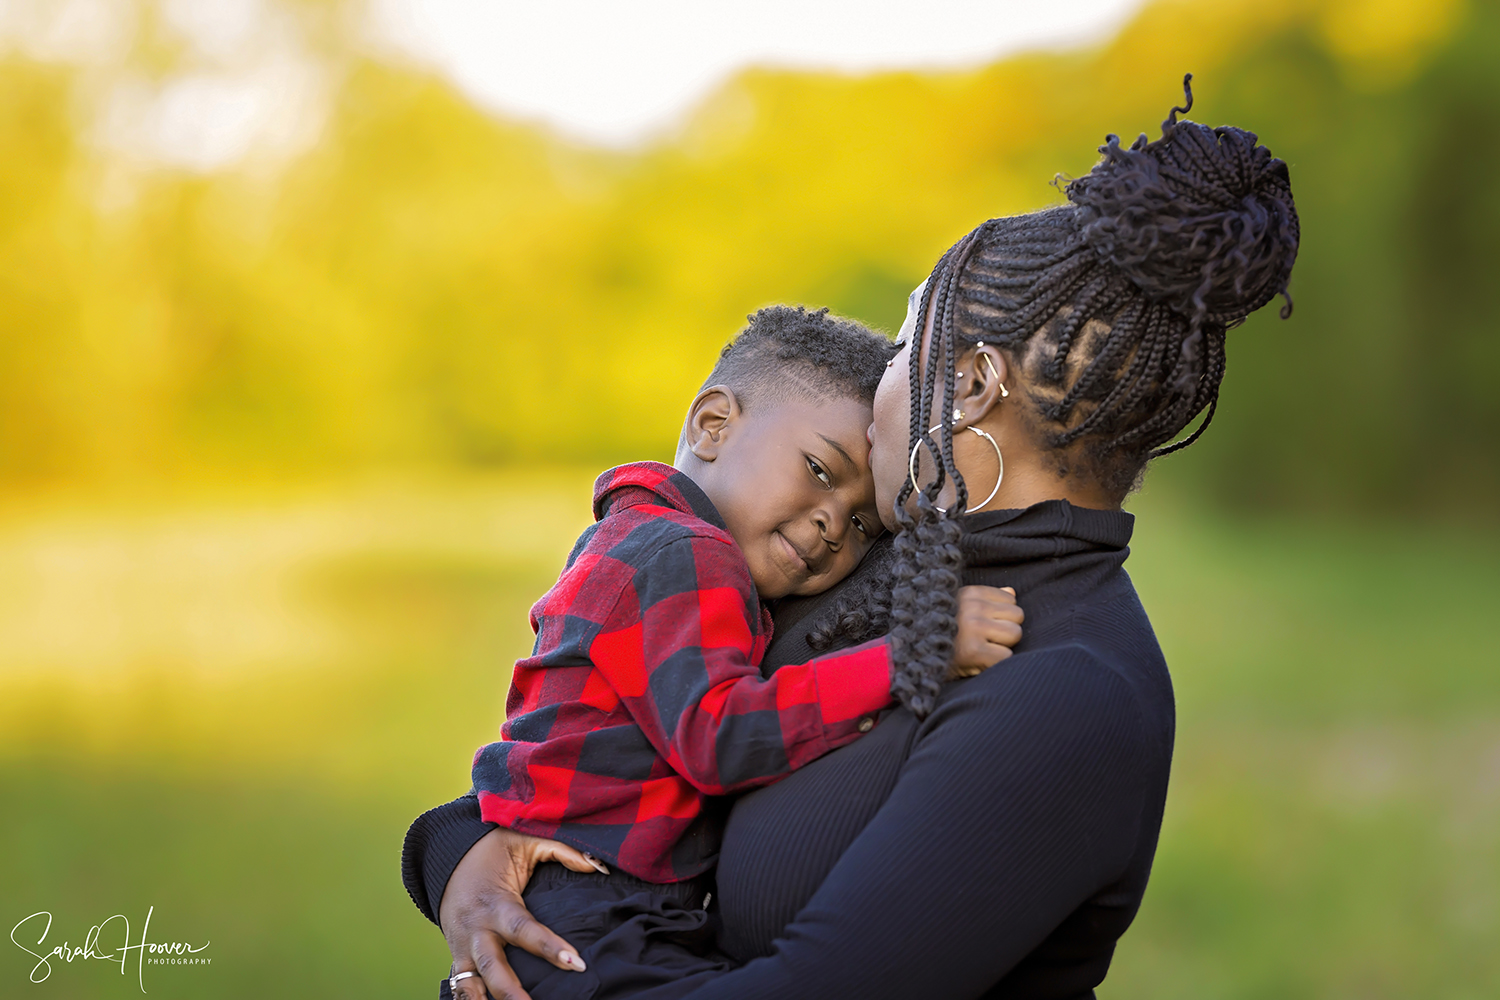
point(989, 624)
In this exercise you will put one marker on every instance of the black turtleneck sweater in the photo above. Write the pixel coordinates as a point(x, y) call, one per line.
point(998, 848)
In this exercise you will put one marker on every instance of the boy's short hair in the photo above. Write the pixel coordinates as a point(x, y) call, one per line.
point(785, 350)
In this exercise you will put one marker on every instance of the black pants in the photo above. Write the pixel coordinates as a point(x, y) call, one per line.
point(632, 935)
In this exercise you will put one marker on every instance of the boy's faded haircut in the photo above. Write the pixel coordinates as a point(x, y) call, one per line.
point(784, 351)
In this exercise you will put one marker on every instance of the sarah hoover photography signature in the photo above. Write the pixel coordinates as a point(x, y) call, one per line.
point(145, 951)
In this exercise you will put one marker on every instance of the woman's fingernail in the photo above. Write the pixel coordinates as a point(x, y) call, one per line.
point(572, 961)
point(599, 866)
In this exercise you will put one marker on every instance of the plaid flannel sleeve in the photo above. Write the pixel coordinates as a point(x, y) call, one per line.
point(680, 647)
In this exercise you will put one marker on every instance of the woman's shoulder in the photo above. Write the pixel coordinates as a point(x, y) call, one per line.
point(1077, 690)
point(1091, 646)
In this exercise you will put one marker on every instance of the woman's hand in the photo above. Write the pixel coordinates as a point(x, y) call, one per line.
point(482, 912)
point(989, 624)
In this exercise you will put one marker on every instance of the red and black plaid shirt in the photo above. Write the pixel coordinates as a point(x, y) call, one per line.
point(643, 695)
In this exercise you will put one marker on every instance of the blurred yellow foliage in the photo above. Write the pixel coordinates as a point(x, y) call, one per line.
point(1384, 40)
point(429, 285)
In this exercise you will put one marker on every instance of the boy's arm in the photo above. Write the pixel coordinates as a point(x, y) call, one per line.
point(679, 647)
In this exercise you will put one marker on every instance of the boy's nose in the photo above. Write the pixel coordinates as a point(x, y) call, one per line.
point(831, 527)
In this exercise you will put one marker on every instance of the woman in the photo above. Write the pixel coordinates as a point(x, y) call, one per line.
point(991, 837)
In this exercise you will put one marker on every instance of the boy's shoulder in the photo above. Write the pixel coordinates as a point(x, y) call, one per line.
point(645, 507)
point(647, 527)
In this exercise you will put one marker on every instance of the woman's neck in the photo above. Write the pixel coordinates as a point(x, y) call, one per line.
point(1028, 486)
point(1031, 477)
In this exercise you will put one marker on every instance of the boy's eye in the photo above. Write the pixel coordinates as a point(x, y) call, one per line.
point(861, 527)
point(817, 470)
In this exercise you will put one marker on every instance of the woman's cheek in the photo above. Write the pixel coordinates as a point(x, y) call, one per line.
point(887, 470)
point(887, 436)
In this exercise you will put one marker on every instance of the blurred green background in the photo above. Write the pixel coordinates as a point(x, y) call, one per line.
point(287, 449)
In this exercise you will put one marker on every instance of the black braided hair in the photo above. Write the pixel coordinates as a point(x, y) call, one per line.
point(1114, 310)
point(862, 608)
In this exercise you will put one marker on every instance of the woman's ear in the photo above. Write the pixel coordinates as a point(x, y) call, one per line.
point(708, 421)
point(982, 386)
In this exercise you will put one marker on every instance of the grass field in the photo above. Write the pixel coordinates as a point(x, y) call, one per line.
point(230, 711)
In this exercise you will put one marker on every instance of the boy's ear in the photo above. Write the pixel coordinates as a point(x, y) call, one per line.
point(709, 418)
point(983, 386)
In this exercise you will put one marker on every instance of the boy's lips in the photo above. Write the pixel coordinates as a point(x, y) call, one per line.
point(794, 555)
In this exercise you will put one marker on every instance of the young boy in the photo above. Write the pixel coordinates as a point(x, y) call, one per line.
point(643, 699)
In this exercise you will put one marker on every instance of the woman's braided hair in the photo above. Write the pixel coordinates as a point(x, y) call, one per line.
point(1114, 309)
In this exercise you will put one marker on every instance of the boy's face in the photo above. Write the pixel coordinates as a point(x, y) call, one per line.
point(792, 481)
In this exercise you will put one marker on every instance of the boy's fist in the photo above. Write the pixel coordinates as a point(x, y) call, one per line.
point(989, 624)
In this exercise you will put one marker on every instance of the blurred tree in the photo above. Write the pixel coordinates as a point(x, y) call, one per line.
point(428, 284)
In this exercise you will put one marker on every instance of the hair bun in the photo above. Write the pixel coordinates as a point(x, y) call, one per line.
point(1202, 219)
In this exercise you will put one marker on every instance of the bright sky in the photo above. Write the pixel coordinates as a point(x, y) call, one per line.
point(605, 71)
point(613, 71)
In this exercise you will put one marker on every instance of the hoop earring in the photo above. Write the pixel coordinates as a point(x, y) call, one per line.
point(911, 467)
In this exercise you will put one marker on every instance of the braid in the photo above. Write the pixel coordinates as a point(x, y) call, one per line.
point(1096, 289)
point(927, 567)
point(950, 358)
point(1212, 378)
point(926, 572)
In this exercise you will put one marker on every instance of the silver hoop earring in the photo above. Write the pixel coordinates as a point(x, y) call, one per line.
point(911, 467)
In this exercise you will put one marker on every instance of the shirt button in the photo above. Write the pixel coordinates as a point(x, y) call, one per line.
point(866, 724)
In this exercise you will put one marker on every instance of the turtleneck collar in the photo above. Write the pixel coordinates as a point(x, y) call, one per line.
point(1048, 530)
point(1057, 556)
